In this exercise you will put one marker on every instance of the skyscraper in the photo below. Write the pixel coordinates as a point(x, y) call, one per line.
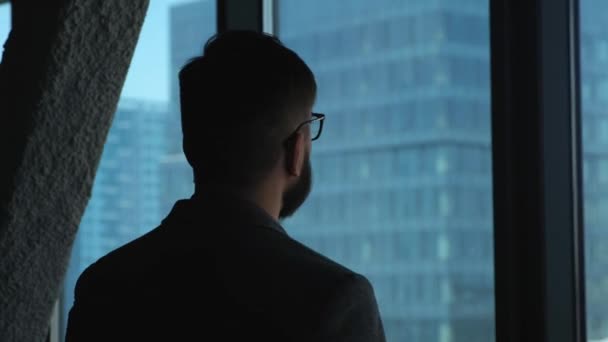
point(402, 190)
point(126, 192)
point(594, 96)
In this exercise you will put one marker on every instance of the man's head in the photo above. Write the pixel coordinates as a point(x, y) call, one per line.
point(243, 102)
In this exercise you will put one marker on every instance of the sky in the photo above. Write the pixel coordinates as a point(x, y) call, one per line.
point(5, 21)
point(148, 77)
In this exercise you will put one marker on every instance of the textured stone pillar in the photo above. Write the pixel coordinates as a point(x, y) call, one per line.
point(62, 71)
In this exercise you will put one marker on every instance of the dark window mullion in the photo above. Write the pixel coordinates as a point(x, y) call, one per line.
point(538, 247)
point(239, 15)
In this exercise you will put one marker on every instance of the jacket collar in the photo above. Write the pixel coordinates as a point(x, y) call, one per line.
point(220, 206)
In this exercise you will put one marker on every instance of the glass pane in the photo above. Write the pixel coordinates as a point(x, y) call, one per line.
point(142, 170)
point(5, 22)
point(594, 93)
point(403, 190)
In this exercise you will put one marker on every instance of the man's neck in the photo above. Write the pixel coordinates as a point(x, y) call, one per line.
point(263, 197)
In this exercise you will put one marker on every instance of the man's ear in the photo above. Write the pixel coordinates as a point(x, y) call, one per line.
point(295, 151)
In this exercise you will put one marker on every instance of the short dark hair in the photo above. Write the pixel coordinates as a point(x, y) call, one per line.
point(237, 105)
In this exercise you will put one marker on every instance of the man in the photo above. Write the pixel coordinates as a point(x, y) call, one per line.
point(220, 267)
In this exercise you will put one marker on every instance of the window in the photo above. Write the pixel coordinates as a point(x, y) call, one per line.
point(403, 194)
point(594, 93)
point(406, 83)
point(142, 170)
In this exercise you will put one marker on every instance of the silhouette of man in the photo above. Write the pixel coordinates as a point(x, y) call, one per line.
point(220, 267)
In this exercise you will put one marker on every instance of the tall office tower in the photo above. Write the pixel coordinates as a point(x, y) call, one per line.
point(594, 93)
point(191, 25)
point(402, 173)
point(125, 197)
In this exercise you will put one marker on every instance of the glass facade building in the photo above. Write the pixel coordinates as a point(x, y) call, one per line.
point(402, 189)
point(594, 96)
point(127, 188)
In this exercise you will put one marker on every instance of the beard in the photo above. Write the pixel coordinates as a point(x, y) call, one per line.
point(295, 196)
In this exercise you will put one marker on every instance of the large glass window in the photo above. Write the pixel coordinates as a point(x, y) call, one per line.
point(594, 92)
point(142, 170)
point(403, 179)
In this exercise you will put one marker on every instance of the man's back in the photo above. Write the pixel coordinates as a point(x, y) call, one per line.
point(221, 269)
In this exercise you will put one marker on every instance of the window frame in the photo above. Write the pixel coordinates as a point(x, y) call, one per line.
point(539, 251)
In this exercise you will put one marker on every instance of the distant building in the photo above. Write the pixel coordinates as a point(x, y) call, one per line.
point(125, 202)
point(402, 173)
point(594, 94)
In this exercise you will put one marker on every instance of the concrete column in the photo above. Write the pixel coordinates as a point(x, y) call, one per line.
point(62, 71)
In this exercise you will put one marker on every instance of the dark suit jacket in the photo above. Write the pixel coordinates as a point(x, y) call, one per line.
point(221, 269)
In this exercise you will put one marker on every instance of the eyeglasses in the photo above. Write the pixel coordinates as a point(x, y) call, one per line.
point(316, 125)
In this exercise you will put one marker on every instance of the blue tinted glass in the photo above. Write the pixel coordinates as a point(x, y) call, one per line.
point(594, 94)
point(405, 87)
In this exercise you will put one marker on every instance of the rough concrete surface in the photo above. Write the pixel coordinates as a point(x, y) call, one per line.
point(62, 71)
